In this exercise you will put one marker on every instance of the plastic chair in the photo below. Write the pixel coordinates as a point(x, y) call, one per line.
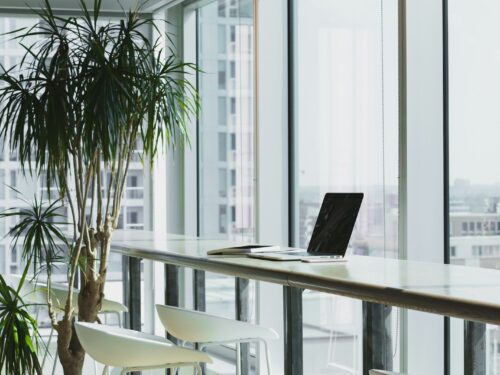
point(134, 351)
point(36, 293)
point(208, 330)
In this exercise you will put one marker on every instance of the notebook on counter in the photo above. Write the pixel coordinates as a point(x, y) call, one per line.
point(245, 249)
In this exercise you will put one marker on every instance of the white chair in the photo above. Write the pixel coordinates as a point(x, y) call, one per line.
point(135, 351)
point(383, 372)
point(207, 330)
point(37, 292)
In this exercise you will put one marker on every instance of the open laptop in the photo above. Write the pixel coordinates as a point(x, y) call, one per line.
point(331, 233)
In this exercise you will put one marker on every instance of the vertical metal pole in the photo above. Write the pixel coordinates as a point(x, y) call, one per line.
point(134, 293)
point(474, 348)
point(199, 290)
point(126, 286)
point(199, 299)
point(243, 314)
point(292, 310)
point(171, 296)
point(171, 290)
point(377, 339)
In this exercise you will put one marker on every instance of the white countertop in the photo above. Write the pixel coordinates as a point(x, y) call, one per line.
point(458, 291)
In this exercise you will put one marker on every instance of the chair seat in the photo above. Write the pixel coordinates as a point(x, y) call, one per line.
point(36, 293)
point(200, 327)
point(60, 293)
point(119, 347)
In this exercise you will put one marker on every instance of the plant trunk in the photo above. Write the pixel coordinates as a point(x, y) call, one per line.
point(70, 350)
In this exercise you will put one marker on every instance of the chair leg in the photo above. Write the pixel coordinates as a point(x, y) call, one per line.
point(238, 358)
point(124, 371)
point(268, 357)
point(49, 341)
point(56, 358)
point(105, 370)
point(199, 371)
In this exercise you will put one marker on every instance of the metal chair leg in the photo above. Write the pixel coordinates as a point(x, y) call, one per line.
point(49, 341)
point(56, 358)
point(238, 359)
point(268, 357)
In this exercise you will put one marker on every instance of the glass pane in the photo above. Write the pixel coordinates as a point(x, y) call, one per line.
point(474, 57)
point(226, 140)
point(346, 131)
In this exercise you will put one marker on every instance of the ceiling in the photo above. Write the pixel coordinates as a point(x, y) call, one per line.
point(69, 5)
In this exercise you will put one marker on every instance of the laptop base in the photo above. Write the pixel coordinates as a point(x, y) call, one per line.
point(298, 256)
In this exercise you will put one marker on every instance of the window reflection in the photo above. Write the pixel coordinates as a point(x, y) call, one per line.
point(346, 130)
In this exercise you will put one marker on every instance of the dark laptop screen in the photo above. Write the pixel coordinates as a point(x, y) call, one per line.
point(335, 223)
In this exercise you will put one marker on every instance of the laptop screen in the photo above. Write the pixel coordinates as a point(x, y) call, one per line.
point(335, 223)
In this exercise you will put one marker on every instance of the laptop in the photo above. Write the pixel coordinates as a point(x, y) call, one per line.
point(331, 233)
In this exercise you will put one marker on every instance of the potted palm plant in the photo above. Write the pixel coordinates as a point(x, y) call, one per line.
point(74, 108)
point(18, 331)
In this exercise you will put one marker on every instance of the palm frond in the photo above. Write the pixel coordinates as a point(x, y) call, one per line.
point(19, 336)
point(38, 229)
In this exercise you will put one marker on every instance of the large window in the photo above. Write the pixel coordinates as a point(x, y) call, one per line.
point(346, 139)
point(226, 189)
point(226, 125)
point(474, 130)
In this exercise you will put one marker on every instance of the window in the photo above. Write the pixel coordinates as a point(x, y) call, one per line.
point(222, 110)
point(474, 90)
point(233, 177)
point(222, 43)
point(225, 118)
point(232, 69)
point(135, 185)
point(223, 219)
point(222, 75)
point(232, 100)
point(233, 142)
point(346, 134)
point(13, 184)
point(221, 8)
point(222, 147)
point(222, 182)
point(225, 84)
